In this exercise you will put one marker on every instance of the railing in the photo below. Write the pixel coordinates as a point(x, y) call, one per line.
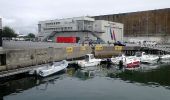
point(162, 47)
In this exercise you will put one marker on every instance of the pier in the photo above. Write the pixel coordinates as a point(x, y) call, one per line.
point(20, 57)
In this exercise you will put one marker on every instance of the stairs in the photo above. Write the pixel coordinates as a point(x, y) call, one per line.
point(49, 37)
point(97, 37)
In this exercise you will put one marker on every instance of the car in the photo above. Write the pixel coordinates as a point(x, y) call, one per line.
point(118, 43)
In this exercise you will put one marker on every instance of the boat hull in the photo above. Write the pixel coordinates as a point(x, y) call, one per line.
point(47, 70)
point(89, 63)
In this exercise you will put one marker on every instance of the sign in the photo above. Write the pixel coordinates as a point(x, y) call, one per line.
point(83, 48)
point(69, 49)
point(98, 47)
point(118, 48)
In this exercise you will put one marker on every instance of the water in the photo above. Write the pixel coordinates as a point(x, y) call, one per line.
point(94, 83)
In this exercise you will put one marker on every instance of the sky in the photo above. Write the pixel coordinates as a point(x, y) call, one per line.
point(23, 15)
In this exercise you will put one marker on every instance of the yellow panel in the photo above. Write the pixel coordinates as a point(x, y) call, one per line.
point(69, 49)
point(118, 48)
point(83, 48)
point(98, 47)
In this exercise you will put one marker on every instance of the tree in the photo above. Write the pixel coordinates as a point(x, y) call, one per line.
point(30, 35)
point(8, 32)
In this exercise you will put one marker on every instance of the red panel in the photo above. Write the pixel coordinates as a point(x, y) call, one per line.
point(66, 39)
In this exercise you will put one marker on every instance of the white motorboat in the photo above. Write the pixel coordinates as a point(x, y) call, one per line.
point(150, 59)
point(165, 57)
point(129, 62)
point(52, 68)
point(89, 61)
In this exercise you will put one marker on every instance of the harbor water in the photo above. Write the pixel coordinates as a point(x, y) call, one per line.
point(104, 82)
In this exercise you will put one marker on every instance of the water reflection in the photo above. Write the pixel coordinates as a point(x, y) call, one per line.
point(154, 77)
point(16, 86)
point(159, 76)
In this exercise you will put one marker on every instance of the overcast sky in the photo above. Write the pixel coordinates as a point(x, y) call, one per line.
point(23, 15)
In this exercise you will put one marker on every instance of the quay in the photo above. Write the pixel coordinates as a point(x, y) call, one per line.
point(20, 57)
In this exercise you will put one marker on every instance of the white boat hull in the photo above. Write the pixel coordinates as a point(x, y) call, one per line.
point(84, 63)
point(48, 70)
point(149, 59)
point(165, 57)
point(130, 62)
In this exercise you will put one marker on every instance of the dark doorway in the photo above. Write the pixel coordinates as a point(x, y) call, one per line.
point(0, 37)
point(3, 59)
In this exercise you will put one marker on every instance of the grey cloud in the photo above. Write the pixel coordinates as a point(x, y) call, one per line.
point(23, 15)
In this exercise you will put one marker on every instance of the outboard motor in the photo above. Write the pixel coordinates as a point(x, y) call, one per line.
point(120, 64)
point(108, 61)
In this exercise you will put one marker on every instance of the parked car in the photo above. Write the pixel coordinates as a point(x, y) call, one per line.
point(118, 43)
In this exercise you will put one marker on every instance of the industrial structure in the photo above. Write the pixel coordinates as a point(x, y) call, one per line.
point(1, 23)
point(153, 25)
point(0, 33)
point(74, 30)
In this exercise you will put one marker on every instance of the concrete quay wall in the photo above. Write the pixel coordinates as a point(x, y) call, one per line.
point(25, 58)
point(107, 51)
point(16, 59)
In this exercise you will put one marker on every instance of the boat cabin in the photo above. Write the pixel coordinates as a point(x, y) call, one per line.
point(140, 54)
point(88, 57)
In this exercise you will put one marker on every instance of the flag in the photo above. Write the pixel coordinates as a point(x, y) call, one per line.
point(112, 33)
point(114, 36)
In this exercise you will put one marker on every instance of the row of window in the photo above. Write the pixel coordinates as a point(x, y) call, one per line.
point(53, 23)
point(59, 29)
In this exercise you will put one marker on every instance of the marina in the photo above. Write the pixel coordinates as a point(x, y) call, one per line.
point(49, 50)
point(95, 82)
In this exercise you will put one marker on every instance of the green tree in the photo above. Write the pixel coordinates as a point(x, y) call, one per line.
point(8, 32)
point(30, 35)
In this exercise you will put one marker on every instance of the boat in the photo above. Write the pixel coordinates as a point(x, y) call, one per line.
point(50, 69)
point(89, 61)
point(147, 58)
point(165, 57)
point(128, 62)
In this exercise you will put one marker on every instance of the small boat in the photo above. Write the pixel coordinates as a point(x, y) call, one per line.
point(50, 69)
point(165, 57)
point(129, 62)
point(149, 59)
point(89, 61)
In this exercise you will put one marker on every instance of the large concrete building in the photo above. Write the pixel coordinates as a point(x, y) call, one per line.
point(82, 28)
point(149, 25)
point(0, 33)
point(0, 23)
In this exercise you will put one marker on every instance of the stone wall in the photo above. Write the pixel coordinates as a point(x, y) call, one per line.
point(107, 51)
point(25, 58)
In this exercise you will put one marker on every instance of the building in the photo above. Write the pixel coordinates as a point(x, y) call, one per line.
point(148, 25)
point(0, 32)
point(109, 31)
point(0, 23)
point(80, 29)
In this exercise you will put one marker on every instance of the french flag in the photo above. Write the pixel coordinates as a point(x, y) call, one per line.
point(112, 33)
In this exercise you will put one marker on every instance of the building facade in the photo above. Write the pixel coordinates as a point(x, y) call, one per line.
point(0, 23)
point(152, 23)
point(0, 32)
point(78, 24)
point(109, 31)
point(81, 28)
